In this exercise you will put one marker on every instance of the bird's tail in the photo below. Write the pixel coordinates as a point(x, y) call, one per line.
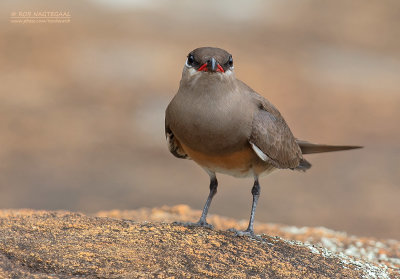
point(309, 148)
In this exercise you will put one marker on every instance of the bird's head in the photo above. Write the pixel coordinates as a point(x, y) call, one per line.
point(209, 60)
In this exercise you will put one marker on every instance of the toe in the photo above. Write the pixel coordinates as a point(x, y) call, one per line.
point(242, 233)
point(204, 224)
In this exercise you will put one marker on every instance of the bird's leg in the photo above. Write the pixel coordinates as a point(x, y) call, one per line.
point(213, 191)
point(203, 219)
point(255, 191)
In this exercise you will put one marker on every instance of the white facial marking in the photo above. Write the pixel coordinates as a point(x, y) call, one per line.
point(229, 71)
point(187, 65)
point(192, 71)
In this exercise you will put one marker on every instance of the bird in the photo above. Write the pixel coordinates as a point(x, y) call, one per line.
point(226, 127)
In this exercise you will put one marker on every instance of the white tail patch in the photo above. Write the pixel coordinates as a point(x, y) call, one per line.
point(259, 153)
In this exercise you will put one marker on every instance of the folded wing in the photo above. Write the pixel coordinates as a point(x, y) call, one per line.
point(272, 139)
point(173, 144)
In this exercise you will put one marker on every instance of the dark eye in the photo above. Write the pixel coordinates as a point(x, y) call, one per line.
point(230, 61)
point(190, 59)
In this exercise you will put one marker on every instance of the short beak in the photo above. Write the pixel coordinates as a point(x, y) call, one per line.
point(212, 65)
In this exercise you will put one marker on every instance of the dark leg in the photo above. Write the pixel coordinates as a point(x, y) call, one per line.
point(203, 219)
point(213, 191)
point(255, 191)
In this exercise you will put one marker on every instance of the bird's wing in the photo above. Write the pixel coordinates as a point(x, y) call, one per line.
point(173, 144)
point(271, 138)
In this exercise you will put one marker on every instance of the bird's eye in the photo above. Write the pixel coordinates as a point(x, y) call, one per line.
point(230, 61)
point(190, 60)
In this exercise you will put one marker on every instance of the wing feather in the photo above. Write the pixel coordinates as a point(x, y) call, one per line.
point(271, 135)
point(173, 144)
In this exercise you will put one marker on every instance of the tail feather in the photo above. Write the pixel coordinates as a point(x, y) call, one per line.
point(309, 148)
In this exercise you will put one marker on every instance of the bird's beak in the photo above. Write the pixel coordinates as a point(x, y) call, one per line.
point(212, 66)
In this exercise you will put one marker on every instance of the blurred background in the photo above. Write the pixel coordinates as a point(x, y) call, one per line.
point(82, 106)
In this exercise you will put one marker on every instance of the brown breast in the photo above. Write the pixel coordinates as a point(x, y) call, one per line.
point(239, 163)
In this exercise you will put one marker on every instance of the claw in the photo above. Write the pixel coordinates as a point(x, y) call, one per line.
point(242, 233)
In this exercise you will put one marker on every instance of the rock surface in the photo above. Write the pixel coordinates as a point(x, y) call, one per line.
point(40, 244)
point(384, 251)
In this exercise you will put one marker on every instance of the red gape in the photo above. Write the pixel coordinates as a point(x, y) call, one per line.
point(204, 68)
point(220, 69)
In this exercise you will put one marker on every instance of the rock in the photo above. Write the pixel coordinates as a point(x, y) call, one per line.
point(40, 244)
point(382, 251)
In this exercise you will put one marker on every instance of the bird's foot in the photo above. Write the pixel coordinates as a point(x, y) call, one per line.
point(200, 223)
point(249, 233)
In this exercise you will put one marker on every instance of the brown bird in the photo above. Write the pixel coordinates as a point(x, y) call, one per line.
point(226, 127)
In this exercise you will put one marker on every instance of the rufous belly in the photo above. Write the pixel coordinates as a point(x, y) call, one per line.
point(242, 163)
